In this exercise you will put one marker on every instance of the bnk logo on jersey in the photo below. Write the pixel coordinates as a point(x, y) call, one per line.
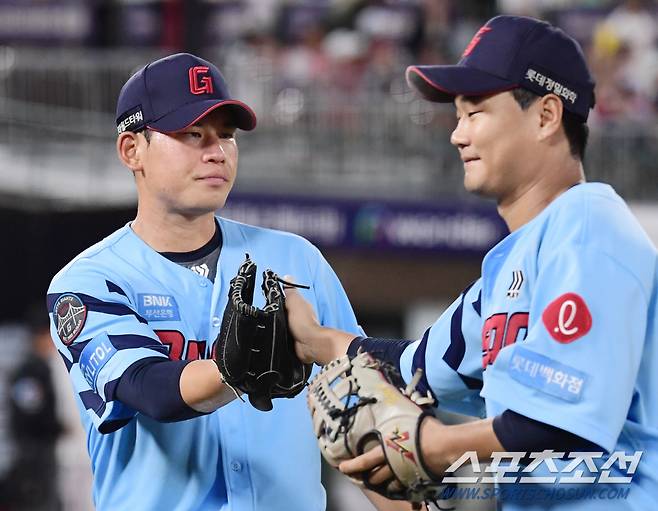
point(158, 307)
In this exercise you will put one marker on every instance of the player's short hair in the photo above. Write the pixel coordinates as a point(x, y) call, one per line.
point(575, 129)
point(147, 134)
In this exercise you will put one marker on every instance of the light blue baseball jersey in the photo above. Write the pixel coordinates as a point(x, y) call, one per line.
point(119, 302)
point(561, 328)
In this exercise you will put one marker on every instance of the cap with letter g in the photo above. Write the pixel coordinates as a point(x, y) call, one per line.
point(173, 93)
point(510, 52)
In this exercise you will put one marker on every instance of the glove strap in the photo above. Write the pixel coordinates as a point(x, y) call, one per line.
point(221, 377)
point(288, 285)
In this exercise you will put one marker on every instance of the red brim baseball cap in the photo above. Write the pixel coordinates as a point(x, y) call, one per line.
point(442, 83)
point(175, 92)
point(187, 115)
point(510, 52)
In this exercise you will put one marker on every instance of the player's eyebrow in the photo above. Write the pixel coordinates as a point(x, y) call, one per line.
point(462, 102)
point(470, 100)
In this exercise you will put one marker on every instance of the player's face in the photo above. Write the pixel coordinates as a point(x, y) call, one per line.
point(192, 171)
point(494, 139)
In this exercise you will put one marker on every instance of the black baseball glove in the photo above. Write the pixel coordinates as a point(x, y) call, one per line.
point(255, 350)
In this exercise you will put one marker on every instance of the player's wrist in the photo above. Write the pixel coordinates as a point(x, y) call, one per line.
point(435, 457)
point(332, 343)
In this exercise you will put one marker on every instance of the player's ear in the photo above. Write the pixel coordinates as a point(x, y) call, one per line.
point(129, 150)
point(550, 115)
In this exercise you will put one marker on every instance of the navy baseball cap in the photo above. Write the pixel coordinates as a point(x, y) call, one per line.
point(510, 52)
point(175, 92)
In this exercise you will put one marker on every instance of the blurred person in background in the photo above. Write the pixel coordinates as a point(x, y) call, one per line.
point(624, 58)
point(34, 426)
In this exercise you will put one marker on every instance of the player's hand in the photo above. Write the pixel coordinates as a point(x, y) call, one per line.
point(313, 342)
point(303, 323)
point(372, 461)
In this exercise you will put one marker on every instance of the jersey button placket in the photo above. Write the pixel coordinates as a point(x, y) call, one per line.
point(236, 466)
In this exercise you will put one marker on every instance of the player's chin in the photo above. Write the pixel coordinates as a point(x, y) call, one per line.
point(475, 183)
point(215, 195)
point(472, 184)
point(207, 204)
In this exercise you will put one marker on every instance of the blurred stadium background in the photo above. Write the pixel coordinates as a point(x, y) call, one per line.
point(344, 153)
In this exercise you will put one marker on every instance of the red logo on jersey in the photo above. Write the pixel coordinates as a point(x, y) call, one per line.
point(475, 41)
point(179, 349)
point(567, 318)
point(200, 84)
point(501, 330)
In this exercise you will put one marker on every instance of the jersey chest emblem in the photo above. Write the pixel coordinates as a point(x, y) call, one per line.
point(567, 318)
point(155, 307)
point(69, 315)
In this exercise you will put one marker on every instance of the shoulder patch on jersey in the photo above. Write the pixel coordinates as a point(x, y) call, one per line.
point(155, 307)
point(567, 318)
point(546, 375)
point(69, 315)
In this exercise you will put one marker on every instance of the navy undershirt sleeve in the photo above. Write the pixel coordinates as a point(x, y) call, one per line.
point(518, 433)
point(152, 386)
point(386, 350)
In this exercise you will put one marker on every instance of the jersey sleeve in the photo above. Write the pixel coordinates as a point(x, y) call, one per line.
point(98, 335)
point(450, 356)
point(577, 368)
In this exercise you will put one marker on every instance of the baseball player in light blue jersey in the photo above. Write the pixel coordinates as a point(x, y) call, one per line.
point(136, 316)
point(554, 347)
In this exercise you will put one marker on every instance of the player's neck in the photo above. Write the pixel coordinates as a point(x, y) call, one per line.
point(173, 232)
point(531, 199)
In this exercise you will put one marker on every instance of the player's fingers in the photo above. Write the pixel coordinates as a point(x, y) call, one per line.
point(380, 474)
point(366, 461)
point(296, 305)
point(289, 279)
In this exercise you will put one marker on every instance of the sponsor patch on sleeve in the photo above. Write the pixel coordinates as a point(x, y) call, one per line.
point(567, 318)
point(546, 375)
point(93, 358)
point(69, 316)
point(154, 307)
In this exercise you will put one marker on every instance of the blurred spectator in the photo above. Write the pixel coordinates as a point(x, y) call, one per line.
point(624, 59)
point(348, 58)
point(636, 26)
point(538, 8)
point(306, 62)
point(32, 480)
